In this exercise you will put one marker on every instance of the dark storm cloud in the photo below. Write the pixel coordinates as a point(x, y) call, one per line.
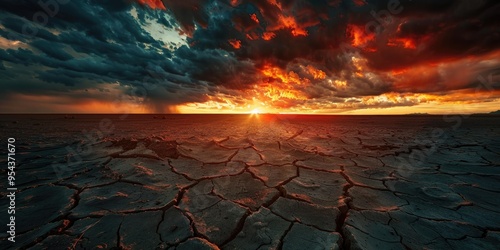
point(187, 12)
point(89, 43)
point(92, 42)
point(445, 30)
point(218, 66)
point(463, 29)
point(51, 50)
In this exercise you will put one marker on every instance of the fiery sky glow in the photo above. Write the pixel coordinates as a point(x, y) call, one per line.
point(250, 56)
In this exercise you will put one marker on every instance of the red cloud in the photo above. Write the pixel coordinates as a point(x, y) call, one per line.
point(235, 43)
point(154, 4)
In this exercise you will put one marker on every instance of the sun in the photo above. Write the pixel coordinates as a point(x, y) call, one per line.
point(255, 112)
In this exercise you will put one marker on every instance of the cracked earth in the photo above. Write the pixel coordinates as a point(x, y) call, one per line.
point(260, 182)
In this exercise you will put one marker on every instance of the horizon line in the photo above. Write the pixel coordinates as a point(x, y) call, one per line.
point(312, 114)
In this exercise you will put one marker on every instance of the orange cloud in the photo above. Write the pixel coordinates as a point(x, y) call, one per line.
point(234, 3)
point(280, 98)
point(154, 4)
point(359, 36)
point(359, 2)
point(235, 43)
point(290, 23)
point(66, 104)
point(280, 92)
point(285, 77)
point(316, 73)
point(275, 3)
point(406, 43)
point(254, 18)
point(284, 85)
point(268, 36)
point(287, 22)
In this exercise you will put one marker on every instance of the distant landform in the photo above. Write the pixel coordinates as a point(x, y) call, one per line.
point(418, 114)
point(490, 113)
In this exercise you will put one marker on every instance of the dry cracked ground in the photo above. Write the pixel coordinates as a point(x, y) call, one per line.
point(263, 182)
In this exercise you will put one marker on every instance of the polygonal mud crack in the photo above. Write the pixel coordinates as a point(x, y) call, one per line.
point(244, 189)
point(317, 187)
point(213, 217)
point(262, 229)
point(305, 237)
point(306, 213)
point(122, 197)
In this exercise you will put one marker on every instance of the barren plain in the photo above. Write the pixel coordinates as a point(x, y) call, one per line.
point(253, 182)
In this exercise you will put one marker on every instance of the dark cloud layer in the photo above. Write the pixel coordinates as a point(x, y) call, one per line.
point(231, 46)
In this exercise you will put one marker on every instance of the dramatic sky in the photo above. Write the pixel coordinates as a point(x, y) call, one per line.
point(235, 56)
